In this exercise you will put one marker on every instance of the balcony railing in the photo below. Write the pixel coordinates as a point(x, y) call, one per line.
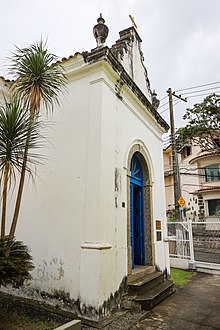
point(168, 170)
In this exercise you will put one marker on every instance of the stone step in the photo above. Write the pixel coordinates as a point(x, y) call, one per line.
point(154, 296)
point(145, 283)
point(140, 272)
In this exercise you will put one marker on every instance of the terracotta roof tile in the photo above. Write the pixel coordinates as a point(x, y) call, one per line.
point(207, 189)
point(205, 154)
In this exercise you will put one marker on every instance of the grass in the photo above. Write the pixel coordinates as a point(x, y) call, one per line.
point(179, 276)
point(16, 321)
point(27, 323)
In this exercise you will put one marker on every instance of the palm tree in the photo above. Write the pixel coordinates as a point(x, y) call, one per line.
point(39, 78)
point(15, 128)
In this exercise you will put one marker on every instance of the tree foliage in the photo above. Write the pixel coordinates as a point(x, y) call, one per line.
point(203, 125)
point(39, 77)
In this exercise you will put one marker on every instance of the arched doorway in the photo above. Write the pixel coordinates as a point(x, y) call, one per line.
point(136, 213)
point(140, 236)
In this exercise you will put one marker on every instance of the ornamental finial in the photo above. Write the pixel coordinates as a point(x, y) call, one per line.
point(100, 31)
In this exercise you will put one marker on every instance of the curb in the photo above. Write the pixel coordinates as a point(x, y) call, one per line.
point(72, 325)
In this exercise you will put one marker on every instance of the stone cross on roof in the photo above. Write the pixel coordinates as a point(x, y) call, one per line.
point(133, 22)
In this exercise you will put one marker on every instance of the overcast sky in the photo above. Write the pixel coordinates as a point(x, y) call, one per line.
point(180, 39)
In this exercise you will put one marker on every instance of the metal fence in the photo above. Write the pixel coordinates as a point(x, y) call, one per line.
point(195, 243)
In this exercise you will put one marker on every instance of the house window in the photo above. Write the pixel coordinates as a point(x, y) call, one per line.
point(214, 207)
point(216, 142)
point(158, 230)
point(186, 152)
point(212, 172)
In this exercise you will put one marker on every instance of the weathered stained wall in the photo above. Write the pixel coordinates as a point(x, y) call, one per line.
point(74, 220)
point(128, 51)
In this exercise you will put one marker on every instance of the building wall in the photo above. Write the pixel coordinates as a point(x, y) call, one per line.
point(192, 176)
point(169, 192)
point(209, 190)
point(189, 181)
point(74, 220)
point(123, 124)
point(202, 163)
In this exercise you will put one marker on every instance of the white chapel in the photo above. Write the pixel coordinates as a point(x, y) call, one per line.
point(96, 214)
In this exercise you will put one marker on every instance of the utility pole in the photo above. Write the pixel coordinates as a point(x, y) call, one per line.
point(176, 172)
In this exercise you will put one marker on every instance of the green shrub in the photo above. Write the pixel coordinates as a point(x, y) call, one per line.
point(15, 262)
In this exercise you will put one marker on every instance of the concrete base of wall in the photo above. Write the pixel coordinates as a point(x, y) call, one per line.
point(72, 325)
point(209, 268)
point(179, 263)
point(199, 266)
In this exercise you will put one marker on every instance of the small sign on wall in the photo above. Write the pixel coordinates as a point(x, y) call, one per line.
point(158, 230)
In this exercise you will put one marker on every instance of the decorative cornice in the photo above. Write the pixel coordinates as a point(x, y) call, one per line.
point(106, 54)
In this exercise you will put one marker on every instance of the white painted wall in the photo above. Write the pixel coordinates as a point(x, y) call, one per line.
point(77, 235)
point(132, 60)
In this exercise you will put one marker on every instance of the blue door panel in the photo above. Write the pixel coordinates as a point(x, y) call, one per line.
point(136, 213)
point(132, 223)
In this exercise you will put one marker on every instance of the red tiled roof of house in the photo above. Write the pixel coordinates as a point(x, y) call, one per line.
point(205, 154)
point(205, 189)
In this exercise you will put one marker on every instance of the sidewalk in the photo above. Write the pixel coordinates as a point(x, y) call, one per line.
point(195, 306)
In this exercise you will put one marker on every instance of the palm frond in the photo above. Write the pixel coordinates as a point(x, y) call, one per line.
point(38, 76)
point(17, 132)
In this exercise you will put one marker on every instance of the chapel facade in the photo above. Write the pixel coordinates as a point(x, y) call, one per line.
point(90, 220)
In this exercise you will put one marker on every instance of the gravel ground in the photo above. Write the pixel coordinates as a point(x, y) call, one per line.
point(18, 314)
point(14, 311)
point(123, 322)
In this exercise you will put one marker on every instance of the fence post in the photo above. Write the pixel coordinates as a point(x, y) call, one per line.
point(191, 249)
point(192, 264)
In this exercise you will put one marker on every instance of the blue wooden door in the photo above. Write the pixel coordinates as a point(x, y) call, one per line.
point(132, 221)
point(136, 213)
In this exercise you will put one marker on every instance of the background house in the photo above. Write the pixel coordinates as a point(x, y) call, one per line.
point(200, 181)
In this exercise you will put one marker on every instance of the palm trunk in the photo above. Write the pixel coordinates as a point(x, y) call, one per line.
point(23, 171)
point(19, 194)
point(4, 201)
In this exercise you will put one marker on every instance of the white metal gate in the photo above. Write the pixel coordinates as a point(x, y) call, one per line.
point(195, 244)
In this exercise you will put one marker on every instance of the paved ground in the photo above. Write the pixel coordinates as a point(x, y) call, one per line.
point(195, 306)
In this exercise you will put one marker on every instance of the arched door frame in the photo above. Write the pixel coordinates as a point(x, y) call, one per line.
point(140, 153)
point(136, 212)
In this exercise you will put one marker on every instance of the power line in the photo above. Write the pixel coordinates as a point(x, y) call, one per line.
point(192, 92)
point(190, 96)
point(191, 185)
point(184, 89)
point(163, 105)
point(198, 168)
point(175, 103)
point(201, 175)
point(201, 90)
point(163, 98)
